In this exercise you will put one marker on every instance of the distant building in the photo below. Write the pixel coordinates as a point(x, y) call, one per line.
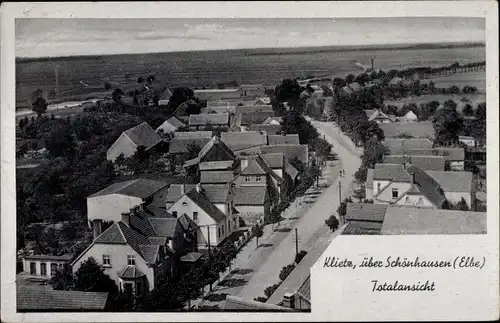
point(44, 266)
point(203, 121)
point(410, 116)
point(378, 116)
point(292, 139)
point(165, 97)
point(398, 146)
point(426, 163)
point(130, 140)
point(468, 141)
point(170, 125)
point(252, 90)
point(414, 129)
point(218, 94)
point(181, 141)
point(244, 140)
point(351, 89)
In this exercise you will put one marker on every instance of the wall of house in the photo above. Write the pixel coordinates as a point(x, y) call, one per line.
point(252, 180)
point(110, 207)
point(251, 213)
point(38, 265)
point(457, 165)
point(369, 193)
point(414, 201)
point(455, 197)
point(122, 145)
point(118, 259)
point(204, 221)
point(386, 195)
point(376, 185)
point(167, 128)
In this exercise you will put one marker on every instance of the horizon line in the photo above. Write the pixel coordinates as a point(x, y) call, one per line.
point(353, 46)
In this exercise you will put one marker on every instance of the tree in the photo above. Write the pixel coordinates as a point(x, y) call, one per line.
point(332, 222)
point(61, 142)
point(63, 279)
point(90, 277)
point(193, 150)
point(107, 86)
point(461, 205)
point(258, 232)
point(342, 209)
point(373, 153)
point(39, 104)
point(360, 193)
point(150, 79)
point(349, 78)
point(271, 289)
point(468, 110)
point(288, 91)
point(300, 256)
point(360, 174)
point(117, 94)
point(179, 96)
point(286, 271)
point(140, 79)
point(447, 125)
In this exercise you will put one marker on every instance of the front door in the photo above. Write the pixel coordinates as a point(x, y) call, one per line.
point(129, 290)
point(32, 268)
point(43, 269)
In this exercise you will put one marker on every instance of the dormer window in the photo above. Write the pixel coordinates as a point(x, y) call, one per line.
point(420, 200)
point(407, 199)
point(257, 178)
point(247, 178)
point(184, 204)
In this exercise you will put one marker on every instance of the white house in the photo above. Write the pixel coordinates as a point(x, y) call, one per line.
point(467, 140)
point(130, 140)
point(170, 125)
point(44, 266)
point(109, 204)
point(410, 116)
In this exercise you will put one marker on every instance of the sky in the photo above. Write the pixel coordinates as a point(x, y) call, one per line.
point(48, 37)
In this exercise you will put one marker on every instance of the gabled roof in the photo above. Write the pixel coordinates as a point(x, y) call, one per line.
point(217, 193)
point(426, 163)
point(273, 120)
point(248, 118)
point(253, 108)
point(369, 113)
point(204, 203)
point(176, 191)
point(34, 298)
point(451, 154)
point(141, 188)
point(250, 195)
point(180, 145)
point(305, 289)
point(387, 171)
point(173, 122)
point(213, 119)
point(143, 135)
point(269, 129)
point(453, 181)
point(427, 185)
point(397, 145)
point(164, 227)
point(274, 160)
point(290, 170)
point(281, 140)
point(365, 212)
point(112, 235)
point(216, 142)
point(415, 129)
point(253, 168)
point(216, 177)
point(191, 257)
point(362, 228)
point(378, 115)
point(411, 115)
point(412, 220)
point(243, 140)
point(290, 151)
point(194, 135)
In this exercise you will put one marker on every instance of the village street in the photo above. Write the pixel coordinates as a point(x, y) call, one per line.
point(256, 269)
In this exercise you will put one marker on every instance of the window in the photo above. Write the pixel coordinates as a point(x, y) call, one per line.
point(420, 200)
point(174, 214)
point(195, 216)
point(407, 199)
point(32, 268)
point(247, 178)
point(53, 269)
point(257, 178)
point(223, 229)
point(139, 288)
point(43, 269)
point(229, 225)
point(378, 187)
point(219, 232)
point(106, 261)
point(130, 260)
point(184, 204)
point(394, 193)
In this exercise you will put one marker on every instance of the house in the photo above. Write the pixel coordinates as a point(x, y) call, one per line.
point(291, 139)
point(252, 108)
point(217, 94)
point(181, 112)
point(36, 299)
point(215, 156)
point(217, 177)
point(247, 118)
point(44, 266)
point(410, 116)
point(252, 90)
point(265, 100)
point(400, 146)
point(244, 140)
point(351, 89)
point(203, 121)
point(377, 116)
point(170, 125)
point(290, 151)
point(454, 157)
point(405, 185)
point(165, 97)
point(175, 192)
point(269, 129)
point(229, 103)
point(213, 224)
point(140, 249)
point(426, 163)
point(396, 81)
point(237, 304)
point(403, 220)
point(456, 186)
point(109, 203)
point(468, 141)
point(273, 121)
point(414, 129)
point(182, 140)
point(130, 140)
point(217, 110)
point(235, 128)
point(364, 218)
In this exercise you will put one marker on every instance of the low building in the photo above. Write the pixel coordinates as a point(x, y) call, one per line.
point(456, 186)
point(290, 151)
point(413, 129)
point(269, 129)
point(170, 125)
point(401, 146)
point(44, 266)
point(182, 140)
point(378, 116)
point(468, 141)
point(244, 140)
point(218, 94)
point(351, 89)
point(364, 218)
point(204, 121)
point(130, 140)
point(35, 299)
point(427, 163)
point(292, 139)
point(252, 90)
point(454, 157)
point(404, 220)
point(410, 116)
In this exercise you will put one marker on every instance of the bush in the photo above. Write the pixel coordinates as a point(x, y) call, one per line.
point(260, 299)
point(286, 270)
point(332, 222)
point(271, 289)
point(300, 256)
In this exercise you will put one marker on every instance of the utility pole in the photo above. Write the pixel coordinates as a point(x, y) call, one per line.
point(296, 242)
point(208, 232)
point(340, 192)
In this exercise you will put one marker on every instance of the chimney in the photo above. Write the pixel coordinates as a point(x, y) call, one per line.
point(282, 133)
point(126, 218)
point(244, 164)
point(288, 300)
point(183, 189)
point(373, 65)
point(412, 178)
point(404, 165)
point(198, 187)
point(96, 227)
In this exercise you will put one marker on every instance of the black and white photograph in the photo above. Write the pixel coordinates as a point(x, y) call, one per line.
point(205, 164)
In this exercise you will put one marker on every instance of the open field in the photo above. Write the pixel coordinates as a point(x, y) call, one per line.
point(474, 99)
point(205, 69)
point(477, 79)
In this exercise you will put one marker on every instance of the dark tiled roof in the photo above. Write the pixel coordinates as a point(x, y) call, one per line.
point(158, 212)
point(180, 145)
point(216, 193)
point(423, 162)
point(290, 170)
point(415, 129)
point(143, 135)
point(243, 140)
point(453, 181)
point(248, 118)
point(66, 257)
point(365, 212)
point(237, 304)
point(134, 238)
point(194, 135)
point(398, 145)
point(281, 140)
point(176, 191)
point(164, 227)
point(451, 154)
point(251, 108)
point(203, 202)
point(269, 129)
point(176, 122)
point(362, 228)
point(130, 272)
point(215, 177)
point(250, 195)
point(253, 168)
point(217, 143)
point(43, 299)
point(412, 220)
point(112, 235)
point(305, 289)
point(213, 119)
point(191, 257)
point(149, 252)
point(274, 160)
point(427, 185)
point(387, 171)
point(141, 188)
point(290, 151)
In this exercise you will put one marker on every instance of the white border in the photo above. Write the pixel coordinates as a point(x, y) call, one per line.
point(10, 11)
